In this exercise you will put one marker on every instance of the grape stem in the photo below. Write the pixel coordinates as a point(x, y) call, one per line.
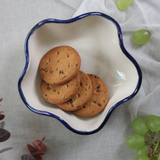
point(155, 155)
point(148, 135)
point(151, 136)
point(154, 148)
point(147, 140)
point(154, 143)
point(157, 151)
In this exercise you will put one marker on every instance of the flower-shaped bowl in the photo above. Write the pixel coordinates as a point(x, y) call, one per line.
point(98, 39)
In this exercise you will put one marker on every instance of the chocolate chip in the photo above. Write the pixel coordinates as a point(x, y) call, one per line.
point(54, 90)
point(96, 77)
point(49, 87)
point(61, 72)
point(98, 86)
point(77, 84)
point(71, 101)
point(99, 104)
point(42, 69)
point(45, 70)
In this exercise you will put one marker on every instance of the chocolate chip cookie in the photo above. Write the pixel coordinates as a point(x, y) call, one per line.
point(81, 97)
point(56, 94)
point(59, 65)
point(98, 100)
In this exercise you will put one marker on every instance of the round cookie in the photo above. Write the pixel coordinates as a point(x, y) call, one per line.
point(59, 65)
point(56, 94)
point(82, 96)
point(98, 100)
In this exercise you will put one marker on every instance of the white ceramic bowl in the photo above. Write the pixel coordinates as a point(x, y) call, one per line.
point(98, 39)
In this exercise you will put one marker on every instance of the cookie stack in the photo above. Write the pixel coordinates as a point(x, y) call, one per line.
point(64, 84)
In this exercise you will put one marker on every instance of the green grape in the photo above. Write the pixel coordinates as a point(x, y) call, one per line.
point(123, 4)
point(141, 36)
point(139, 126)
point(158, 157)
point(143, 158)
point(135, 141)
point(153, 123)
point(142, 151)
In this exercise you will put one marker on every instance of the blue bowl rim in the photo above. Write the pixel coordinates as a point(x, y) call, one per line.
point(119, 33)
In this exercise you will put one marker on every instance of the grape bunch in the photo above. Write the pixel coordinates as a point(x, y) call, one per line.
point(146, 139)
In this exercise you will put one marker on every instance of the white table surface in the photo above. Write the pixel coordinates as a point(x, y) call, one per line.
point(17, 18)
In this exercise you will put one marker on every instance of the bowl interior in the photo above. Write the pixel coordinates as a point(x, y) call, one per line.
point(96, 40)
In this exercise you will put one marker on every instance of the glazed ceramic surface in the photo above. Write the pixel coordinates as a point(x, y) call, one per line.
point(98, 39)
